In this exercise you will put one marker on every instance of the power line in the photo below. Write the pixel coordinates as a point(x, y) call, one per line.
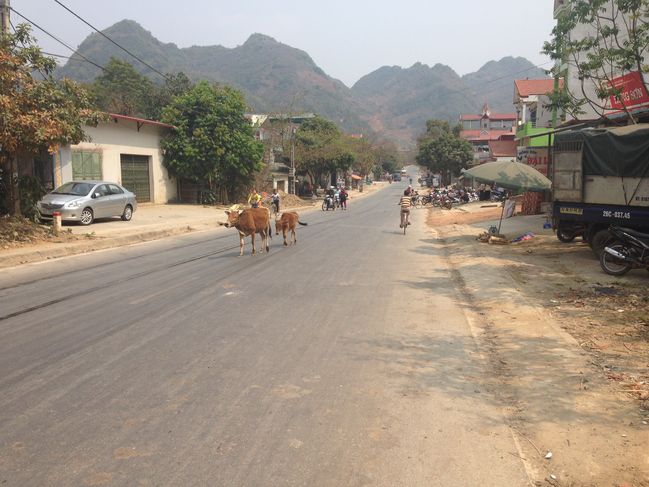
point(111, 40)
point(57, 40)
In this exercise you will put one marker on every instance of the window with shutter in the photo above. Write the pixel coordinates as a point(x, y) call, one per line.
point(86, 165)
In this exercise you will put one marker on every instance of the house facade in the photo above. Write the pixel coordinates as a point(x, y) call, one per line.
point(277, 132)
point(481, 129)
point(532, 116)
point(125, 150)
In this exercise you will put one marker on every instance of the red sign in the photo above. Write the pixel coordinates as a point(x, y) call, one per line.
point(535, 157)
point(631, 91)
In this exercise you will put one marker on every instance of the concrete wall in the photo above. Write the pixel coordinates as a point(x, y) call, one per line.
point(122, 137)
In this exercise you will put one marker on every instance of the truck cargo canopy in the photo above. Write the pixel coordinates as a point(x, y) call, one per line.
point(621, 151)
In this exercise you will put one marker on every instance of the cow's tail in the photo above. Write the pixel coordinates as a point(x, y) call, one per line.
point(302, 223)
point(270, 231)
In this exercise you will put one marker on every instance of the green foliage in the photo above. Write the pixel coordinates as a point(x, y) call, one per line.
point(121, 89)
point(441, 150)
point(319, 149)
point(617, 45)
point(36, 113)
point(213, 143)
point(31, 190)
point(176, 84)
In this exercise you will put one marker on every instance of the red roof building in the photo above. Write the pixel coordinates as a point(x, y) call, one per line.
point(481, 129)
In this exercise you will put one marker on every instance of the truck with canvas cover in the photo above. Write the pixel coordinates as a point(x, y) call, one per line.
point(600, 177)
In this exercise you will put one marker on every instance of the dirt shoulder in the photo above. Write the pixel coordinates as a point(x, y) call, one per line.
point(567, 346)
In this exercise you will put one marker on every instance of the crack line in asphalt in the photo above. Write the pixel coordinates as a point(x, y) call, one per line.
point(118, 281)
point(97, 266)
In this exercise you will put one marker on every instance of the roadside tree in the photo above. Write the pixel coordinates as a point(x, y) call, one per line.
point(595, 42)
point(213, 144)
point(320, 150)
point(121, 89)
point(36, 110)
point(441, 150)
point(175, 84)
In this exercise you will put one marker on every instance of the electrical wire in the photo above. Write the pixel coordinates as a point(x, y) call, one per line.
point(111, 40)
point(57, 40)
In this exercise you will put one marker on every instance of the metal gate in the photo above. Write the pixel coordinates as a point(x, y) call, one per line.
point(135, 176)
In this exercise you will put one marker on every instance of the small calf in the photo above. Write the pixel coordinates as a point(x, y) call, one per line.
point(286, 222)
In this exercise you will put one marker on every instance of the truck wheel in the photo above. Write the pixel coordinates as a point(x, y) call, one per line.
point(600, 240)
point(566, 234)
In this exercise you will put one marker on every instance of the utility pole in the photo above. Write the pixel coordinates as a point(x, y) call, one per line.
point(292, 174)
point(4, 15)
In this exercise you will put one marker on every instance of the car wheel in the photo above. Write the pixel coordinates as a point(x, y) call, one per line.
point(128, 213)
point(86, 217)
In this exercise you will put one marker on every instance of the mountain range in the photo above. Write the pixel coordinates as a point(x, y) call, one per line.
point(392, 102)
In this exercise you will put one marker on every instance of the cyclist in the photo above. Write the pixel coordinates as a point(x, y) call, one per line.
point(405, 202)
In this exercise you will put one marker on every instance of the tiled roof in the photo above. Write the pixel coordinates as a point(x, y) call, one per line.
point(493, 116)
point(139, 121)
point(527, 87)
point(484, 135)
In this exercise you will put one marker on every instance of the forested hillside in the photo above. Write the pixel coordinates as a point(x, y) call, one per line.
point(392, 102)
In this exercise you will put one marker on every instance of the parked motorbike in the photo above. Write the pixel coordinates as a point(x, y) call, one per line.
point(328, 203)
point(629, 250)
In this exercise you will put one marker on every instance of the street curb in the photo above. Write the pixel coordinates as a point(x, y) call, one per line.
point(66, 249)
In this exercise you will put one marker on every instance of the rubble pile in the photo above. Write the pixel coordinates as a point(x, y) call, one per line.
point(291, 200)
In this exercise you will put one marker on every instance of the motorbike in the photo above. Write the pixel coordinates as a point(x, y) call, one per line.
point(628, 250)
point(328, 203)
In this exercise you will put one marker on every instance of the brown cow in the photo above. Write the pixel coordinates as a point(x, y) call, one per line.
point(287, 222)
point(250, 222)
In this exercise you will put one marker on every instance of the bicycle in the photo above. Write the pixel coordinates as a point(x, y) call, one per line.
point(271, 207)
point(405, 220)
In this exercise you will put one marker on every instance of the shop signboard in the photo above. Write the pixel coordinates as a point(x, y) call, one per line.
point(537, 157)
point(630, 91)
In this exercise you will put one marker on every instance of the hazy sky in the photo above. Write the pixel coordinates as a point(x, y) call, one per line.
point(347, 39)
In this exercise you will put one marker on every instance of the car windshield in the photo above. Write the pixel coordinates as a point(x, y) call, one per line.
point(78, 189)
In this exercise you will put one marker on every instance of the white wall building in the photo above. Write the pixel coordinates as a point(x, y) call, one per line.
point(588, 87)
point(125, 150)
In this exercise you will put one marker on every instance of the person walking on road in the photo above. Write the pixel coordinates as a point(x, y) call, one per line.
point(274, 198)
point(343, 198)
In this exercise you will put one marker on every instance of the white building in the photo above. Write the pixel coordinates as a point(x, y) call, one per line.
point(628, 82)
point(125, 150)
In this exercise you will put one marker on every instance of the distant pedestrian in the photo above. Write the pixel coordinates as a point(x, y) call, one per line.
point(343, 198)
point(275, 200)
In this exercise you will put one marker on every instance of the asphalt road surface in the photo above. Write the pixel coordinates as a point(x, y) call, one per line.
point(345, 360)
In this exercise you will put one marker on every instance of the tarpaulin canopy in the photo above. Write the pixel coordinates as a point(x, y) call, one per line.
point(621, 151)
point(358, 178)
point(510, 175)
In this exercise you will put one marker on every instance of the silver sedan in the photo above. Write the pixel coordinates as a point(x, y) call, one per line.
point(84, 201)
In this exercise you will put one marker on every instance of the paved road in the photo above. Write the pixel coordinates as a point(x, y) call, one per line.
point(343, 361)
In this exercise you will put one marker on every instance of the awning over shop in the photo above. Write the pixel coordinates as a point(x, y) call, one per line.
point(356, 177)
